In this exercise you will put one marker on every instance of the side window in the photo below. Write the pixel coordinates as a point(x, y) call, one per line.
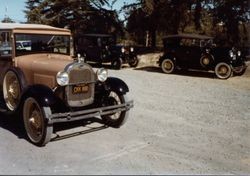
point(5, 44)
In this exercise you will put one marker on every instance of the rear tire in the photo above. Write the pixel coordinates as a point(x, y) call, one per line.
point(223, 70)
point(35, 122)
point(168, 66)
point(11, 90)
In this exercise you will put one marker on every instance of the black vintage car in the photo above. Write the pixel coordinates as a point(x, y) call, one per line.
point(198, 52)
point(102, 48)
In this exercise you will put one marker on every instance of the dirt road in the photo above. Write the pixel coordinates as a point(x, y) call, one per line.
point(188, 123)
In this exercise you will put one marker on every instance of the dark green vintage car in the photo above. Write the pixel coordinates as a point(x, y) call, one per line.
point(102, 48)
point(199, 52)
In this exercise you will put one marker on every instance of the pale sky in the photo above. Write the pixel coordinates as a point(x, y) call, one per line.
point(15, 8)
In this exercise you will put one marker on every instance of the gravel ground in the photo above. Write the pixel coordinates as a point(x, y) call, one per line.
point(187, 123)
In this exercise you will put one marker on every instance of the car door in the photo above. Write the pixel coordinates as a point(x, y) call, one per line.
point(183, 53)
point(194, 53)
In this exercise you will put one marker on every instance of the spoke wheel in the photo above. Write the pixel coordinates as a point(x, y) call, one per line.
point(205, 61)
point(35, 124)
point(167, 66)
point(134, 62)
point(117, 64)
point(11, 90)
point(118, 118)
point(223, 70)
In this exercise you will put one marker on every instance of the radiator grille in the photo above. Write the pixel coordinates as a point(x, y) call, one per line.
point(81, 74)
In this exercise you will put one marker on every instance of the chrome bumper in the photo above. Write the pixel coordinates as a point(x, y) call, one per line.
point(85, 114)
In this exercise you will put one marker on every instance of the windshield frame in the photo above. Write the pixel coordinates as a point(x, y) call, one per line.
point(68, 53)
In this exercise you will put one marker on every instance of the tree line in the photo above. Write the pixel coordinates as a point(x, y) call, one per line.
point(146, 21)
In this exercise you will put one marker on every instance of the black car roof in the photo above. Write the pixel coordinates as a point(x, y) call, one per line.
point(193, 36)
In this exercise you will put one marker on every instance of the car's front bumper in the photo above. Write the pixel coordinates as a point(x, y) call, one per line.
point(89, 113)
point(240, 67)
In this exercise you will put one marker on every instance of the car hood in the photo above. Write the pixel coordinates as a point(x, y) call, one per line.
point(42, 68)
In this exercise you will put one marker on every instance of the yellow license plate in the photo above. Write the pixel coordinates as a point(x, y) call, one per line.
point(78, 89)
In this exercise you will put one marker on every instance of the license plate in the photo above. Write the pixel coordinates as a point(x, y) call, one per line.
point(78, 89)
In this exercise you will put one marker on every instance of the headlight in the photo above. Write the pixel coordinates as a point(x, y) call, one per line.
point(102, 74)
point(239, 53)
point(132, 49)
point(123, 50)
point(231, 54)
point(62, 78)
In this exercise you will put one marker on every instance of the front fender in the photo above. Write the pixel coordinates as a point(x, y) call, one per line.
point(117, 85)
point(43, 94)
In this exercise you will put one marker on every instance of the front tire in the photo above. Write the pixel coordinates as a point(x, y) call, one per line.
point(168, 66)
point(117, 119)
point(134, 62)
point(223, 70)
point(35, 122)
point(117, 64)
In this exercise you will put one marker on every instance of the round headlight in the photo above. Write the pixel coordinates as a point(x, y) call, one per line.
point(102, 74)
point(62, 78)
point(239, 53)
point(123, 50)
point(132, 49)
point(231, 53)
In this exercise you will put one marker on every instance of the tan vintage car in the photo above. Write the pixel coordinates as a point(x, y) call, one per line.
point(42, 82)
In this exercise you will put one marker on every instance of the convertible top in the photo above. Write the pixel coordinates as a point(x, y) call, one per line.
point(192, 36)
point(33, 28)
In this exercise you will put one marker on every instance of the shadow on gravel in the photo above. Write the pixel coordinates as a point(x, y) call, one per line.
point(200, 74)
point(75, 124)
point(13, 124)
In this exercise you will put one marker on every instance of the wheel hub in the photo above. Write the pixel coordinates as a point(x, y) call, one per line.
point(13, 90)
point(35, 120)
point(168, 65)
point(223, 70)
point(205, 61)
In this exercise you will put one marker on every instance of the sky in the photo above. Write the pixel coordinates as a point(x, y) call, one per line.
point(15, 8)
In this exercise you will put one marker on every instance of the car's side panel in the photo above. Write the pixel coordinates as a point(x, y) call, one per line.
point(42, 68)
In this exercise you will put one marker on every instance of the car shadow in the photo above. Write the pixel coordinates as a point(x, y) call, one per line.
point(15, 125)
point(75, 124)
point(188, 73)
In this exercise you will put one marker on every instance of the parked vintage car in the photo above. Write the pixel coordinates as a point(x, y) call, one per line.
point(47, 86)
point(102, 48)
point(188, 51)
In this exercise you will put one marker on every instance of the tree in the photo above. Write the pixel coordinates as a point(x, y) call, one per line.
point(160, 15)
point(231, 14)
point(33, 11)
point(78, 15)
point(8, 20)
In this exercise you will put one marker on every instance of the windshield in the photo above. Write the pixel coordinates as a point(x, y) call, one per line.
point(33, 43)
point(206, 43)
